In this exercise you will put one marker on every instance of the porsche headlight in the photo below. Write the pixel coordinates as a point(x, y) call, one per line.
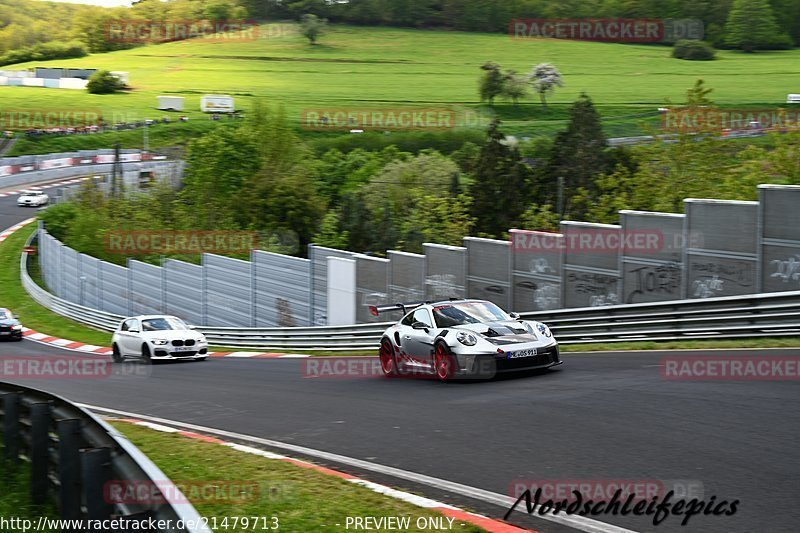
point(544, 330)
point(159, 342)
point(467, 339)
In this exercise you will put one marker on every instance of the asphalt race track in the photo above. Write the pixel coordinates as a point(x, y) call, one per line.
point(604, 416)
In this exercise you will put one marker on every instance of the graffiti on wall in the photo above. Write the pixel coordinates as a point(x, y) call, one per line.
point(598, 289)
point(284, 310)
point(654, 281)
point(787, 270)
point(714, 278)
point(442, 286)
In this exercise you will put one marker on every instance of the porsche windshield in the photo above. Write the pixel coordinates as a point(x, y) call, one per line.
point(457, 314)
point(162, 324)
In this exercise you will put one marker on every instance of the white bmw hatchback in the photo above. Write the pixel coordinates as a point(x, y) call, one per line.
point(157, 338)
point(32, 198)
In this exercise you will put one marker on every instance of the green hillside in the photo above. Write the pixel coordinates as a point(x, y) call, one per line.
point(382, 67)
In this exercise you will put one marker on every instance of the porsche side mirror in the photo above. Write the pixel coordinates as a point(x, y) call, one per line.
point(420, 325)
point(514, 316)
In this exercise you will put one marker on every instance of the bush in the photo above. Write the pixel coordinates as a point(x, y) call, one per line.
point(103, 82)
point(693, 50)
point(43, 52)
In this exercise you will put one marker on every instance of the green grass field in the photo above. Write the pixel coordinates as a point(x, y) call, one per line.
point(357, 67)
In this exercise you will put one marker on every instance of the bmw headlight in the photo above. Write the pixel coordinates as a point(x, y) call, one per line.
point(16, 327)
point(467, 339)
point(201, 339)
point(159, 342)
point(544, 330)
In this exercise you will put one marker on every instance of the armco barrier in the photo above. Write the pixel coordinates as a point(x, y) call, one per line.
point(30, 169)
point(83, 453)
point(731, 317)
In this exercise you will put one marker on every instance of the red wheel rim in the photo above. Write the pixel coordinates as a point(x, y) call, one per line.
point(442, 361)
point(387, 362)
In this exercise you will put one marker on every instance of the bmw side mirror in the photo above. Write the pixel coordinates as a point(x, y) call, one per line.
point(191, 326)
point(132, 330)
point(16, 317)
point(514, 316)
point(420, 325)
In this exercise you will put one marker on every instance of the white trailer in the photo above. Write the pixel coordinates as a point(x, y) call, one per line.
point(217, 103)
point(174, 103)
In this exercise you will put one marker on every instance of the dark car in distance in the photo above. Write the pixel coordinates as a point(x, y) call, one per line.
point(10, 327)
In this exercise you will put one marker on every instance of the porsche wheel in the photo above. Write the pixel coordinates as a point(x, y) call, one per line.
point(388, 361)
point(444, 362)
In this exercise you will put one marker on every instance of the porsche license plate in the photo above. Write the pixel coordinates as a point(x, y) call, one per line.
point(522, 353)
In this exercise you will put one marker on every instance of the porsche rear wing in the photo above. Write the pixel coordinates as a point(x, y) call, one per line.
point(376, 310)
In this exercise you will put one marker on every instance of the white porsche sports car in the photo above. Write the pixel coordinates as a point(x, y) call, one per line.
point(32, 198)
point(463, 338)
point(157, 338)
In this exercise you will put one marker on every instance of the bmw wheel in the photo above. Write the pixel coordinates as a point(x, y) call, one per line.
point(115, 355)
point(146, 354)
point(388, 361)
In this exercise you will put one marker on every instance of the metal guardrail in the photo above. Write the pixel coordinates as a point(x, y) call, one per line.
point(730, 317)
point(73, 455)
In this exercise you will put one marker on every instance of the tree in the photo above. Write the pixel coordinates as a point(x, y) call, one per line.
point(217, 166)
point(103, 82)
point(515, 86)
point(545, 78)
point(311, 26)
point(285, 203)
point(578, 153)
point(218, 10)
point(491, 84)
point(751, 26)
point(503, 186)
point(698, 95)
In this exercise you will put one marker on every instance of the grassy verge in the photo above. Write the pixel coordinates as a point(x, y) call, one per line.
point(31, 314)
point(301, 499)
point(15, 501)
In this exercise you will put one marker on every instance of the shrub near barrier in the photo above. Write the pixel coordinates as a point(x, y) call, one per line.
point(693, 50)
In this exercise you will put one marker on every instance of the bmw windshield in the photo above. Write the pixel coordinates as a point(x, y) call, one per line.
point(458, 314)
point(162, 324)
